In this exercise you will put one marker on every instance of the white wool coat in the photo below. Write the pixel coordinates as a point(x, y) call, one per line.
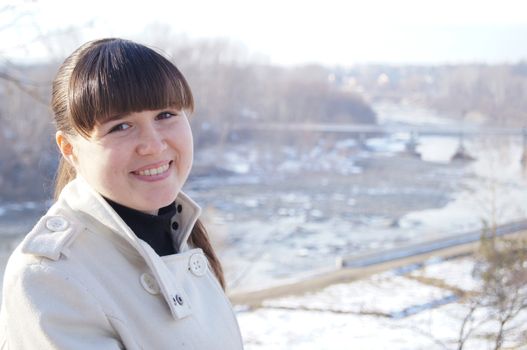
point(81, 279)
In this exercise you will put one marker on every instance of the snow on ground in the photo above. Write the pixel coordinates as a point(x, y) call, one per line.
point(385, 311)
point(383, 294)
point(455, 272)
point(281, 329)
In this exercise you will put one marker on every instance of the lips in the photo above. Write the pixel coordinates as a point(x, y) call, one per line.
point(153, 170)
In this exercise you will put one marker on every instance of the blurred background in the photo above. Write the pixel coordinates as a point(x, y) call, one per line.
point(331, 136)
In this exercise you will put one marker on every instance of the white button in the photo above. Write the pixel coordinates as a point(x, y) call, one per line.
point(57, 223)
point(149, 283)
point(198, 264)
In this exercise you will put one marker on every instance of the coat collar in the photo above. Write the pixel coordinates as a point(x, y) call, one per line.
point(159, 230)
point(80, 196)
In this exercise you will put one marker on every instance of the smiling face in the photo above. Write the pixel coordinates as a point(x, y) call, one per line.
point(109, 100)
point(140, 160)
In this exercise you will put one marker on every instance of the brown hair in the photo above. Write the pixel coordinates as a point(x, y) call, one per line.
point(109, 77)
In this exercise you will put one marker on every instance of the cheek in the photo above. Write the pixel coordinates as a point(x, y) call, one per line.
point(110, 179)
point(183, 142)
point(115, 163)
point(103, 165)
point(183, 145)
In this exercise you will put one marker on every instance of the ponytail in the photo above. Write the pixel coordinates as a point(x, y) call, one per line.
point(199, 238)
point(65, 173)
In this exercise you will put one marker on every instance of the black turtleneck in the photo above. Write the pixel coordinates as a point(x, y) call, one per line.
point(153, 229)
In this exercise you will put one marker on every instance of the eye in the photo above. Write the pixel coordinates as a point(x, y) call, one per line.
point(119, 127)
point(166, 115)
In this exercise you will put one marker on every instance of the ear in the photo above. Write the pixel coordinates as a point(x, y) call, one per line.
point(65, 146)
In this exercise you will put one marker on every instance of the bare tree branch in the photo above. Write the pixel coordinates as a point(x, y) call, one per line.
point(6, 8)
point(23, 88)
point(463, 336)
point(13, 21)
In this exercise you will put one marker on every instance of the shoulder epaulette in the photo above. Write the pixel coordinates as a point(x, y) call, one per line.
point(50, 236)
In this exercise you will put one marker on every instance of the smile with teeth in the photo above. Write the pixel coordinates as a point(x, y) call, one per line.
point(153, 171)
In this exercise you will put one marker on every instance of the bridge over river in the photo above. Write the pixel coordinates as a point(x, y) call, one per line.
point(361, 130)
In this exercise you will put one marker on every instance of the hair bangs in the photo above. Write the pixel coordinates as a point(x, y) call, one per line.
point(121, 77)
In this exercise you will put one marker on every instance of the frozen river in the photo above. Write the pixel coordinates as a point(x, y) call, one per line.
point(278, 224)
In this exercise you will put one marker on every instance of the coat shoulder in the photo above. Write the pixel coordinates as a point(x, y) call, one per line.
point(51, 236)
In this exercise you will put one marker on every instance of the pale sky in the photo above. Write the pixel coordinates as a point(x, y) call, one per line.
point(293, 32)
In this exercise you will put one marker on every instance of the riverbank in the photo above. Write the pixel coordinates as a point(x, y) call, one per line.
point(341, 274)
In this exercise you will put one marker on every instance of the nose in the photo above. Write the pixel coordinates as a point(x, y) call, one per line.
point(151, 141)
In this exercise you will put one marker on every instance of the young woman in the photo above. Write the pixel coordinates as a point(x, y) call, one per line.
point(121, 260)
